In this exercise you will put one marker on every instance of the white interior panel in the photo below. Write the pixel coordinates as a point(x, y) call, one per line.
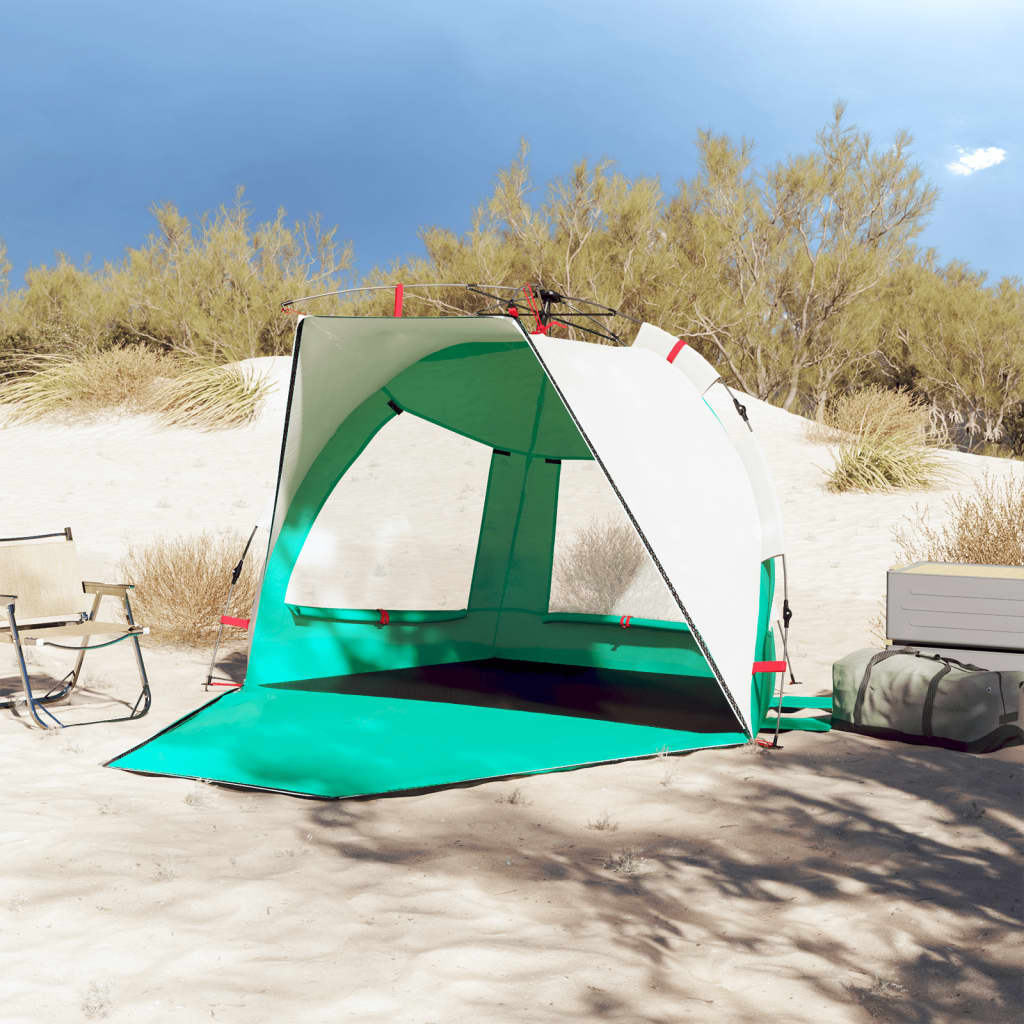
point(746, 444)
point(684, 484)
point(403, 541)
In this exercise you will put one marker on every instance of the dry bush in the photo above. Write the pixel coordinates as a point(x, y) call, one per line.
point(181, 584)
point(136, 379)
point(630, 861)
point(985, 527)
point(210, 396)
point(595, 570)
point(885, 443)
point(886, 412)
point(209, 290)
point(90, 383)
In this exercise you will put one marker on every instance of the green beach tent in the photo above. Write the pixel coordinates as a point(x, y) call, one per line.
point(495, 553)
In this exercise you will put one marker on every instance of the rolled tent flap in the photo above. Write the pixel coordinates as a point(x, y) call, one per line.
point(707, 381)
point(649, 429)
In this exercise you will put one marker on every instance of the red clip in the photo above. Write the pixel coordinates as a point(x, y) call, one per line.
point(227, 620)
point(513, 311)
point(624, 621)
point(676, 349)
point(541, 328)
point(292, 309)
point(384, 617)
point(768, 666)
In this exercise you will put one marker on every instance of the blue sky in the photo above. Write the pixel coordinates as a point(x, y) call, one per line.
point(385, 117)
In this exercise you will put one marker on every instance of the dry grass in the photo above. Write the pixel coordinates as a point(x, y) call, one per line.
point(181, 584)
point(985, 527)
point(62, 385)
point(210, 397)
point(134, 379)
point(595, 570)
point(517, 798)
point(603, 824)
point(885, 443)
point(627, 862)
point(890, 412)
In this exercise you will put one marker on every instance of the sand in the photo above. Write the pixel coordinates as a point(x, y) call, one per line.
point(838, 879)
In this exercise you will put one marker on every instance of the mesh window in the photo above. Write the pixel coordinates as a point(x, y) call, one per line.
point(600, 564)
point(400, 529)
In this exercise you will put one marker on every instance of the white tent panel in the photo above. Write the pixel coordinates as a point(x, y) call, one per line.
point(701, 373)
point(708, 382)
point(330, 379)
point(684, 485)
point(746, 444)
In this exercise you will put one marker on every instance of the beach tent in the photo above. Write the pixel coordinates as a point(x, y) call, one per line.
point(412, 627)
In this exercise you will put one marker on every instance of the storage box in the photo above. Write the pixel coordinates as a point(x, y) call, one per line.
point(969, 608)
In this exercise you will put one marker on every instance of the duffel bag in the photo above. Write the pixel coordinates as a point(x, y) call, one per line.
point(900, 693)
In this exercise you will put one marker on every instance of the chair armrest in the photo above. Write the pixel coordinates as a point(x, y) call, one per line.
point(107, 589)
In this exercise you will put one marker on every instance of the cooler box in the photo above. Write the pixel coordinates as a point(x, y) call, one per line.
point(969, 612)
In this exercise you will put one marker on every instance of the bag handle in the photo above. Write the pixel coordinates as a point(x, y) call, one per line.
point(862, 690)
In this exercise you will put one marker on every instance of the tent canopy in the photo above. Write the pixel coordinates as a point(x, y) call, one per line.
point(375, 690)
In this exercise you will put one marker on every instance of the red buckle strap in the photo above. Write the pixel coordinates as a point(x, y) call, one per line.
point(676, 349)
point(624, 621)
point(399, 298)
point(227, 620)
point(768, 666)
point(384, 617)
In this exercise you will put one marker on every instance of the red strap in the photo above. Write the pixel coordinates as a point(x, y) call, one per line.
point(769, 666)
point(399, 298)
point(676, 349)
point(541, 328)
point(384, 617)
point(292, 309)
point(513, 311)
point(214, 682)
point(227, 620)
point(624, 621)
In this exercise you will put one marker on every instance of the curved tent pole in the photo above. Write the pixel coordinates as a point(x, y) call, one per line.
point(544, 315)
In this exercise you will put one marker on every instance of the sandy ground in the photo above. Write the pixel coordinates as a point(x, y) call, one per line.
point(839, 879)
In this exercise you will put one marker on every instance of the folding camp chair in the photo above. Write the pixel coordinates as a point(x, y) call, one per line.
point(47, 604)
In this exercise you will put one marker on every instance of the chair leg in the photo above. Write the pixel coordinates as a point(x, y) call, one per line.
point(34, 706)
point(145, 697)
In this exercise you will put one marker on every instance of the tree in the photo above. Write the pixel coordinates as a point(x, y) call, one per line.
point(782, 259)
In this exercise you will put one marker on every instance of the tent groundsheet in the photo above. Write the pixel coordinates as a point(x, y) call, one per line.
point(320, 738)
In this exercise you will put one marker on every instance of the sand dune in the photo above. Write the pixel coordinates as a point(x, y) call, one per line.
point(839, 879)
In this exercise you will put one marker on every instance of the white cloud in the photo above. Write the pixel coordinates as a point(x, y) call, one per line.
point(972, 160)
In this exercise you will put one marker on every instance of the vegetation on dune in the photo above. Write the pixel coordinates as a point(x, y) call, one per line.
point(179, 391)
point(181, 584)
point(984, 526)
point(596, 567)
point(885, 442)
point(801, 281)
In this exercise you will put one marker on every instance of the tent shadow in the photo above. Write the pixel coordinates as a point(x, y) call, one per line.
point(633, 698)
point(800, 878)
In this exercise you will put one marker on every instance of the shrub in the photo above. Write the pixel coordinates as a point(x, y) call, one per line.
point(210, 290)
point(136, 379)
point(596, 568)
point(210, 396)
point(181, 583)
point(884, 443)
point(61, 385)
point(985, 527)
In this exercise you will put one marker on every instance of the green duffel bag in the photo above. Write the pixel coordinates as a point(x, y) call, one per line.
point(900, 693)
